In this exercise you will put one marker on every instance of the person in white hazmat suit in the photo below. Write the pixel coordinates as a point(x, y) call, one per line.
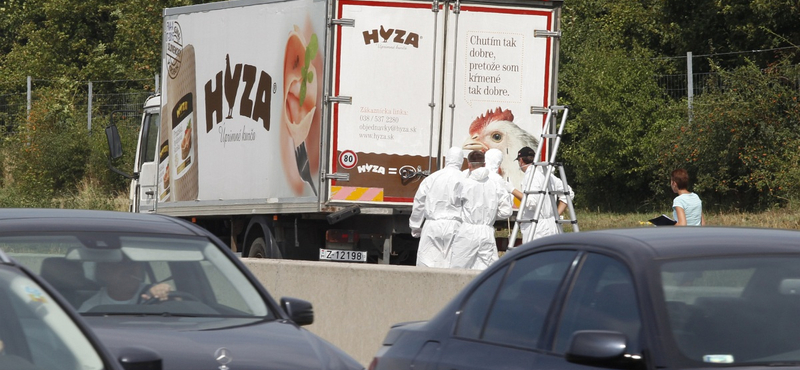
point(438, 203)
point(547, 218)
point(493, 159)
point(474, 246)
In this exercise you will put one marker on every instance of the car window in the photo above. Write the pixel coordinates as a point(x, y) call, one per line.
point(734, 309)
point(517, 314)
point(35, 332)
point(108, 273)
point(602, 298)
point(473, 313)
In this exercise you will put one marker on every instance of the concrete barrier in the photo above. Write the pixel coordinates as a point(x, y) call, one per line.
point(356, 304)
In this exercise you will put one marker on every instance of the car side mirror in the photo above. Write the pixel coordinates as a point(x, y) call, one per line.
point(139, 358)
point(300, 311)
point(601, 348)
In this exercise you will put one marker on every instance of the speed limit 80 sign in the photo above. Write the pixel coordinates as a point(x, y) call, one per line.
point(348, 159)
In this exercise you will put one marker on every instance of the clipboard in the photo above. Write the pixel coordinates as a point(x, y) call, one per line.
point(663, 220)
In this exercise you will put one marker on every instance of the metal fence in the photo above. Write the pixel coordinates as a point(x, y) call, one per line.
point(104, 97)
point(97, 98)
point(675, 85)
point(105, 104)
point(12, 106)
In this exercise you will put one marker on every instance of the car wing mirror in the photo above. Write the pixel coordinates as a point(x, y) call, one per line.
point(601, 348)
point(139, 358)
point(300, 311)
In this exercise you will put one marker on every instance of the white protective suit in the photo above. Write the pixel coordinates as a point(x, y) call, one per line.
point(474, 246)
point(493, 158)
point(438, 203)
point(547, 218)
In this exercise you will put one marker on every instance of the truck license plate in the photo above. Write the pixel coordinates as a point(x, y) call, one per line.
point(339, 255)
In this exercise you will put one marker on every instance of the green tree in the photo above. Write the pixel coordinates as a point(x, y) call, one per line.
point(61, 44)
point(607, 78)
point(742, 145)
point(728, 26)
point(615, 116)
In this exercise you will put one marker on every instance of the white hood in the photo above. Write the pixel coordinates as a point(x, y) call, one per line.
point(479, 174)
point(493, 159)
point(454, 157)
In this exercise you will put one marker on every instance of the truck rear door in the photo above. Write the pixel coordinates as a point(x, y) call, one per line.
point(501, 64)
point(387, 61)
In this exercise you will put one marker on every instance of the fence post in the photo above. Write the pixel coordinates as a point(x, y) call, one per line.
point(89, 110)
point(689, 82)
point(157, 87)
point(29, 98)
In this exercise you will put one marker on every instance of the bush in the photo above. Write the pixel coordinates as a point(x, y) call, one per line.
point(742, 145)
point(51, 160)
point(617, 114)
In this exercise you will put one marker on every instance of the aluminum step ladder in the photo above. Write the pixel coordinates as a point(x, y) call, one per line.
point(544, 191)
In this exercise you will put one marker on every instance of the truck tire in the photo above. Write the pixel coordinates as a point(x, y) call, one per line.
point(260, 249)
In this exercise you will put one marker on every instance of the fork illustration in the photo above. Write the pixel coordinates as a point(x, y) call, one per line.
point(301, 156)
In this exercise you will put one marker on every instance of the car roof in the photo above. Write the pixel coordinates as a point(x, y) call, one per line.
point(37, 219)
point(681, 242)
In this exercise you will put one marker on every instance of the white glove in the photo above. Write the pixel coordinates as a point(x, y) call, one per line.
point(416, 232)
point(510, 188)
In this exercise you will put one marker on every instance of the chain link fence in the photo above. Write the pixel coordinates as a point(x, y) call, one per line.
point(676, 85)
point(12, 110)
point(102, 98)
point(99, 99)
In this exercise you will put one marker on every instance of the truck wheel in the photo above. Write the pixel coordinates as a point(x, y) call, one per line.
point(260, 249)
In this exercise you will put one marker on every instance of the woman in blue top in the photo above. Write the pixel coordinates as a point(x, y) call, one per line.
point(687, 208)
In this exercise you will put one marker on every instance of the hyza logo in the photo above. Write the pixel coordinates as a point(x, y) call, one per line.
point(253, 97)
point(396, 36)
point(372, 168)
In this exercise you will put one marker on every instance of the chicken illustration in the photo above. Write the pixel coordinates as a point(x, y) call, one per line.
point(496, 129)
point(231, 84)
point(386, 34)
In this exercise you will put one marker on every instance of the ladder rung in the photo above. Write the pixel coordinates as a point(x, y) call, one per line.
point(543, 163)
point(550, 136)
point(540, 110)
point(545, 192)
point(573, 222)
point(528, 220)
point(534, 192)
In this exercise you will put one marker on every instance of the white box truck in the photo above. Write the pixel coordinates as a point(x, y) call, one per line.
point(302, 128)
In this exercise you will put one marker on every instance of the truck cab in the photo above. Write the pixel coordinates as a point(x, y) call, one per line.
point(143, 184)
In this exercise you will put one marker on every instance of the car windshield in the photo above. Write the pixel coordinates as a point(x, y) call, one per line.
point(735, 310)
point(36, 333)
point(103, 274)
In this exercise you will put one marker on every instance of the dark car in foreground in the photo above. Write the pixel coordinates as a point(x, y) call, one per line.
point(647, 298)
point(211, 313)
point(41, 331)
